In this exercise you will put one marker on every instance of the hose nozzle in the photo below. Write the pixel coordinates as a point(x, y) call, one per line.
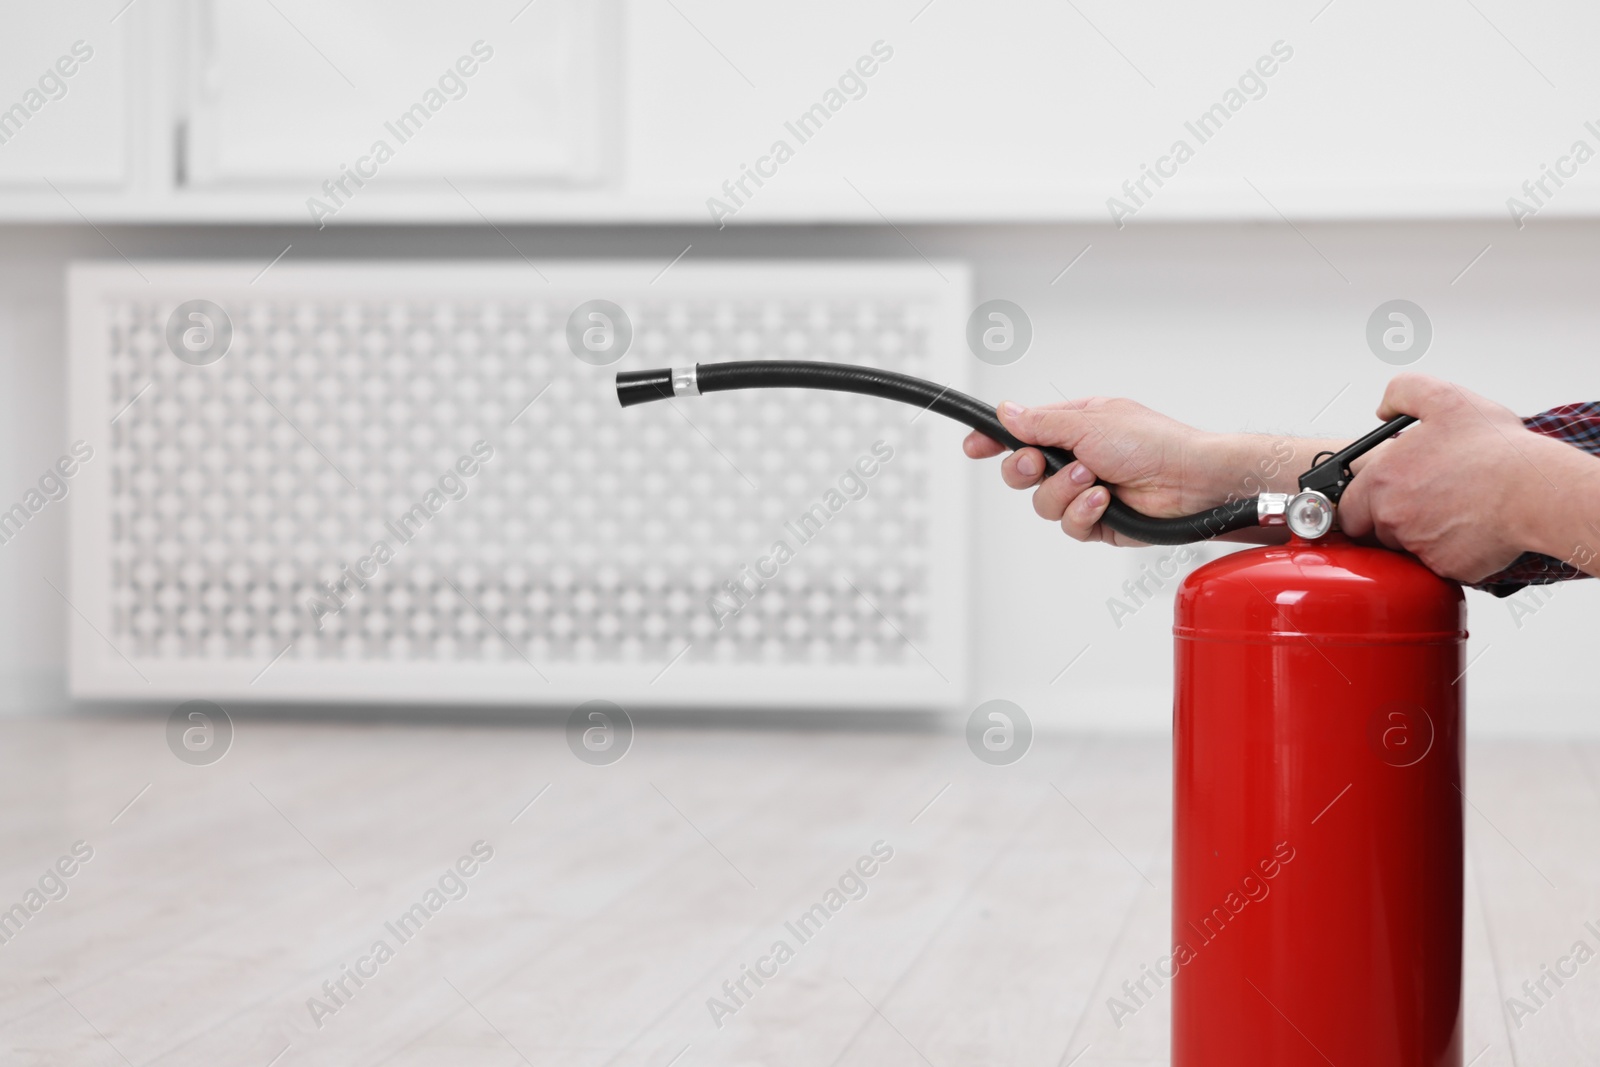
point(642, 386)
point(663, 383)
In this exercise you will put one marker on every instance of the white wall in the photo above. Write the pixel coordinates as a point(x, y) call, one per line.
point(1226, 326)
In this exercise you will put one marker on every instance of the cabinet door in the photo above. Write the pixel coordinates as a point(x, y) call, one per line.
point(63, 96)
point(298, 93)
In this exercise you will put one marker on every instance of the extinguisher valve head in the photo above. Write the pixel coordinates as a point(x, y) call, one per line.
point(1310, 514)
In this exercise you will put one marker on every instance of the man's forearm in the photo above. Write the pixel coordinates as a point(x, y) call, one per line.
point(1556, 501)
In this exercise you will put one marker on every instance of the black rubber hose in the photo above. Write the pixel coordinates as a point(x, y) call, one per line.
point(638, 387)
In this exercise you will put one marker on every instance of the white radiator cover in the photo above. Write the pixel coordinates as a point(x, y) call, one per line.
point(226, 503)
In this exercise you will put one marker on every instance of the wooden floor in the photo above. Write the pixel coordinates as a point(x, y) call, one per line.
point(218, 900)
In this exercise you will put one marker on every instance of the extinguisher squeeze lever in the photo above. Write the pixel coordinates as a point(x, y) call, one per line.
point(1308, 513)
point(1331, 476)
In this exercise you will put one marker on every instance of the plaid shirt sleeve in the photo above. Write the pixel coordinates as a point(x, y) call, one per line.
point(1578, 425)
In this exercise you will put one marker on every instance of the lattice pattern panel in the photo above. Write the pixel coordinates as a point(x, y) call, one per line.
point(364, 482)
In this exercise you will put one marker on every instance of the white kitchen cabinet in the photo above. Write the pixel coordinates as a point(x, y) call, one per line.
point(65, 105)
point(368, 95)
point(693, 111)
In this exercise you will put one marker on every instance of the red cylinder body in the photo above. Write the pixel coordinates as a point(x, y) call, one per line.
point(1317, 848)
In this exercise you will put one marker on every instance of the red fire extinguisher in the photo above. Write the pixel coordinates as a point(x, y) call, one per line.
point(1317, 810)
point(1317, 856)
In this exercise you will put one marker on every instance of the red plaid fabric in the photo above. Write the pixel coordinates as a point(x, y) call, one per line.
point(1578, 425)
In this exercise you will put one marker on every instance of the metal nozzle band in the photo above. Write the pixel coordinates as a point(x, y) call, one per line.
point(1272, 509)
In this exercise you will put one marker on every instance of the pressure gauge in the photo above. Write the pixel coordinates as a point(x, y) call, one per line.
point(1310, 514)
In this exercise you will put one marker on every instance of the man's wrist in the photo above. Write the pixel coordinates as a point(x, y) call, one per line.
point(1245, 464)
point(1229, 465)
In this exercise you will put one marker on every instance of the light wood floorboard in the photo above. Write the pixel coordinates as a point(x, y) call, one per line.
point(1017, 901)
